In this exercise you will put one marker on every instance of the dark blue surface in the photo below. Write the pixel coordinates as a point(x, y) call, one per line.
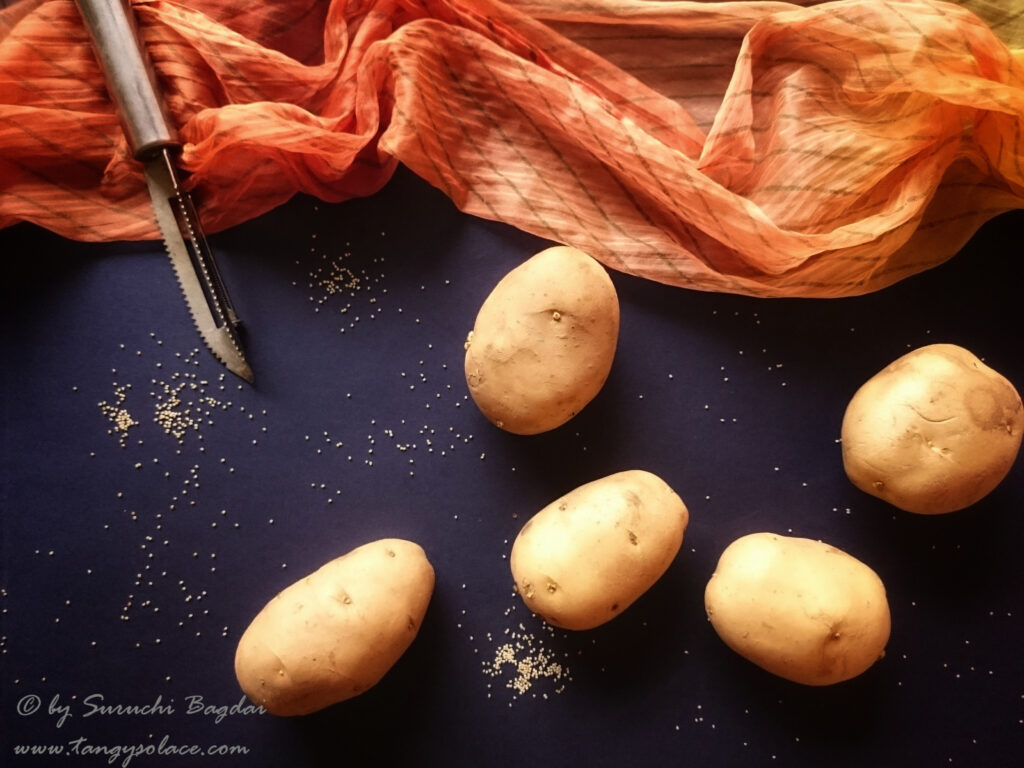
point(133, 558)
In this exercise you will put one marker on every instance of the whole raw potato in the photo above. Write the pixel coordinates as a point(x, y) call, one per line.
point(584, 558)
point(543, 342)
point(336, 632)
point(934, 432)
point(798, 608)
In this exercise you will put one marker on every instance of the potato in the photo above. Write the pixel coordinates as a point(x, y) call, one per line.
point(584, 558)
point(336, 632)
point(798, 608)
point(543, 342)
point(934, 432)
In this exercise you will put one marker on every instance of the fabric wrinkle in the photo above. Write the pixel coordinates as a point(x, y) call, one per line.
point(763, 148)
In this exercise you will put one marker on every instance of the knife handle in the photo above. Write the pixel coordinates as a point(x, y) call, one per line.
point(130, 78)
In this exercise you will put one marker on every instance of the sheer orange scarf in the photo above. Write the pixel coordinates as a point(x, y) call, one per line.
point(764, 148)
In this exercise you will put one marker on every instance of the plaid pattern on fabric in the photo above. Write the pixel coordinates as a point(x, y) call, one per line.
point(762, 148)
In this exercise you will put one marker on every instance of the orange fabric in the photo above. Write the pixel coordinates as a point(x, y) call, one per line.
point(765, 148)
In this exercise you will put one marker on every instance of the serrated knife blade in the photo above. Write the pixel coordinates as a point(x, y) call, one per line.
point(207, 298)
point(133, 88)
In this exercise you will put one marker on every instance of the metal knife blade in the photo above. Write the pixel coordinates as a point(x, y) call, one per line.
point(200, 281)
point(133, 88)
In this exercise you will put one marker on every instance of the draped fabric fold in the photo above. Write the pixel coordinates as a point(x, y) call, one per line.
point(763, 148)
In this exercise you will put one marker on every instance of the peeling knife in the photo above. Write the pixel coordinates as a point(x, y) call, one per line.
point(133, 88)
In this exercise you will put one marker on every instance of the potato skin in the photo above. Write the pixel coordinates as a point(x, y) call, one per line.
point(585, 557)
point(798, 608)
point(934, 432)
point(543, 341)
point(335, 633)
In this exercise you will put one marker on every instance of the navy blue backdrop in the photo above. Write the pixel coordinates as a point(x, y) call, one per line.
point(152, 503)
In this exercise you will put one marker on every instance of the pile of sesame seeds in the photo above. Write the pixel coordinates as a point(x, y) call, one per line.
point(523, 661)
point(121, 421)
point(181, 400)
point(335, 280)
